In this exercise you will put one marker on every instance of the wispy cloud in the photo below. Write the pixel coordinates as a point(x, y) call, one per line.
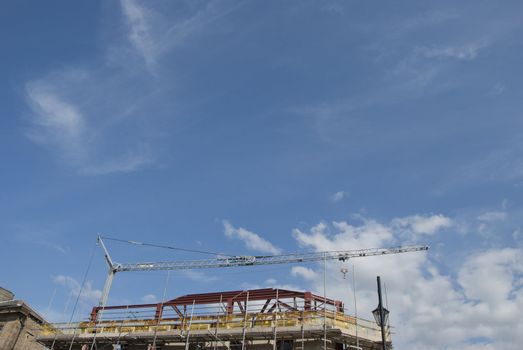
point(250, 239)
point(87, 294)
point(489, 221)
point(199, 276)
point(139, 21)
point(501, 165)
point(338, 196)
point(497, 90)
point(61, 125)
point(57, 118)
point(56, 122)
point(150, 299)
point(71, 116)
point(153, 34)
point(42, 237)
point(303, 272)
point(97, 116)
point(430, 18)
point(404, 69)
point(465, 52)
point(490, 216)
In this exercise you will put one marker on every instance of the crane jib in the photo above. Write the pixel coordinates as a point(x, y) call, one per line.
point(239, 261)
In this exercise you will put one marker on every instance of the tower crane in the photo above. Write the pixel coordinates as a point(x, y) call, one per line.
point(240, 260)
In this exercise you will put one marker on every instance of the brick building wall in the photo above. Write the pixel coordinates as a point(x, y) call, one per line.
point(19, 324)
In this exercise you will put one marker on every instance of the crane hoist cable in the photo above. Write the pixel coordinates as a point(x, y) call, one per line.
point(163, 246)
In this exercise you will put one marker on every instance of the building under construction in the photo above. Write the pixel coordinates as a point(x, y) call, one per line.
point(259, 319)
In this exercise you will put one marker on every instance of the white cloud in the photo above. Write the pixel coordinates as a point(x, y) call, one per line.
point(199, 276)
point(57, 118)
point(139, 21)
point(488, 221)
point(56, 122)
point(499, 268)
point(370, 234)
point(497, 90)
point(490, 216)
point(517, 234)
point(270, 281)
point(250, 239)
point(43, 237)
point(466, 52)
point(420, 225)
point(338, 196)
point(92, 115)
point(69, 115)
point(62, 126)
point(153, 33)
point(88, 294)
point(303, 272)
point(125, 163)
point(430, 309)
point(150, 299)
point(273, 283)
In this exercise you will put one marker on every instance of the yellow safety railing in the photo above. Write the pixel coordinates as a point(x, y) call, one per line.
point(250, 321)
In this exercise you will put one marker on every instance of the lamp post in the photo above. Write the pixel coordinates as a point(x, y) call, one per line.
point(381, 315)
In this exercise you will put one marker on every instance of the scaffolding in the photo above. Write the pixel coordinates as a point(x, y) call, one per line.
point(260, 319)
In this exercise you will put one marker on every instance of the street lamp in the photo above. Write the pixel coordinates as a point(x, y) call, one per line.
point(381, 315)
point(377, 317)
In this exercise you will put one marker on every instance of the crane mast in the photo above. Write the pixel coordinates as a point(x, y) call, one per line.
point(243, 260)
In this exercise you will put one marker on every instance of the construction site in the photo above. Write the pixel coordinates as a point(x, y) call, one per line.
point(260, 319)
point(255, 319)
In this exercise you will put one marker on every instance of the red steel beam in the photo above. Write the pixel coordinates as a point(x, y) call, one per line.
point(231, 297)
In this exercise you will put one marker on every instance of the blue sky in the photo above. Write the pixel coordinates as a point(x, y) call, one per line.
point(262, 127)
